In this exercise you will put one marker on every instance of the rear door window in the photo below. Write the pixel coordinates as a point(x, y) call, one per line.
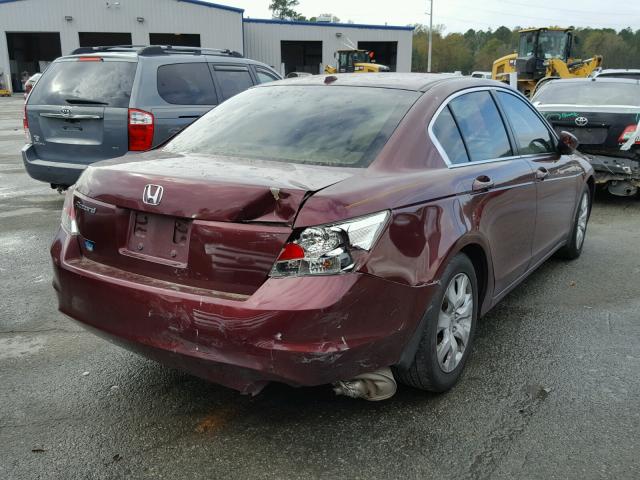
point(531, 135)
point(232, 79)
point(265, 76)
point(76, 82)
point(481, 126)
point(447, 133)
point(186, 84)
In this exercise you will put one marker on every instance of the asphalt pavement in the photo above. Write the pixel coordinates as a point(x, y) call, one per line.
point(552, 390)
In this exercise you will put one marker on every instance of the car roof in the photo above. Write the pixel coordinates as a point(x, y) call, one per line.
point(619, 70)
point(133, 56)
point(131, 52)
point(418, 82)
point(594, 80)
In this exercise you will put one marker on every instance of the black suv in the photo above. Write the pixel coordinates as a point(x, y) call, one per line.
point(102, 102)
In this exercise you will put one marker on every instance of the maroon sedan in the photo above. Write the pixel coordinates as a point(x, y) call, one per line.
point(343, 229)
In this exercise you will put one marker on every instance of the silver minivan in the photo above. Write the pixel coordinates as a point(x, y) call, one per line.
point(103, 102)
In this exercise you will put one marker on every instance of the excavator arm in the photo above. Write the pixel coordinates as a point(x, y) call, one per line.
point(577, 69)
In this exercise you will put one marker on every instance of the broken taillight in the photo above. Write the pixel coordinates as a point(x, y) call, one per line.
point(140, 130)
point(327, 249)
point(628, 132)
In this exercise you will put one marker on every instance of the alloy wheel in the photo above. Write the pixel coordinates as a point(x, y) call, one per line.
point(454, 322)
point(582, 220)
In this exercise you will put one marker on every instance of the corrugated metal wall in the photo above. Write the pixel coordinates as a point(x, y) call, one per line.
point(262, 40)
point(218, 28)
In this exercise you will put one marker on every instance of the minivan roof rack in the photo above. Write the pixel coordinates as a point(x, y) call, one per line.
point(168, 49)
point(107, 48)
point(152, 50)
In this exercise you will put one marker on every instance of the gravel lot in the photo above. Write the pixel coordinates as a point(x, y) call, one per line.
point(552, 390)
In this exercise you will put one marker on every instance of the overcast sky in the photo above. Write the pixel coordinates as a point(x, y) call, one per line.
point(460, 15)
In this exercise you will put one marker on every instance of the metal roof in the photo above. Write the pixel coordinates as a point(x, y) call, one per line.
point(194, 2)
point(327, 24)
point(214, 5)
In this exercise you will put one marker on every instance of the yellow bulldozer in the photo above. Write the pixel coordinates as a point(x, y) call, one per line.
point(353, 60)
point(543, 54)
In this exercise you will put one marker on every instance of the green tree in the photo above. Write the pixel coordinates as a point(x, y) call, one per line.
point(490, 51)
point(615, 52)
point(477, 49)
point(451, 54)
point(284, 9)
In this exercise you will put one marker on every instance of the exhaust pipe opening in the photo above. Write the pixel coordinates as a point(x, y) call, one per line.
point(372, 386)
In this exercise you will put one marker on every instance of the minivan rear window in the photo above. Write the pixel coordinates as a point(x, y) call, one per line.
point(75, 82)
point(332, 126)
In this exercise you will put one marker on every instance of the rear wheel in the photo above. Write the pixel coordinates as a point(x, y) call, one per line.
point(573, 248)
point(448, 335)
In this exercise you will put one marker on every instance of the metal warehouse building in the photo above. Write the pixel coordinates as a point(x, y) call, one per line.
point(35, 32)
point(307, 47)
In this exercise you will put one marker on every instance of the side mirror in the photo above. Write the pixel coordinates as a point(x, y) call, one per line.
point(568, 143)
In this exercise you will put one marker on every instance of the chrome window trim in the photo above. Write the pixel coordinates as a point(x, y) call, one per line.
point(451, 97)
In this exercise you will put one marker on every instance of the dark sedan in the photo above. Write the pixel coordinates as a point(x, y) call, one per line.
point(346, 229)
point(603, 114)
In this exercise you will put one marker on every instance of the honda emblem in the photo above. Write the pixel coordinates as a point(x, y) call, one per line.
point(152, 194)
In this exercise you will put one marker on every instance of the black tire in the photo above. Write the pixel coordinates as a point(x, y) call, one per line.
point(425, 372)
point(573, 247)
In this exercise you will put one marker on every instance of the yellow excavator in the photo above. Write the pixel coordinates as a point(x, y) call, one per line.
point(354, 60)
point(4, 91)
point(543, 54)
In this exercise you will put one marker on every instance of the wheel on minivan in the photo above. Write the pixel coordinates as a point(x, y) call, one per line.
point(573, 247)
point(448, 335)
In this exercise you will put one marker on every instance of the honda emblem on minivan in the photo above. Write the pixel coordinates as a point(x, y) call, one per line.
point(152, 194)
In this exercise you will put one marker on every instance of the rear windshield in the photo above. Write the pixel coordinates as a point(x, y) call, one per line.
point(589, 93)
point(334, 126)
point(628, 75)
point(85, 83)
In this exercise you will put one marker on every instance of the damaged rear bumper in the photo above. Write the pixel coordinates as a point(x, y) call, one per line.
point(299, 331)
point(621, 175)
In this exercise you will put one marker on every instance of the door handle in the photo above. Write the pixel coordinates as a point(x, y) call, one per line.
point(542, 173)
point(481, 184)
point(71, 117)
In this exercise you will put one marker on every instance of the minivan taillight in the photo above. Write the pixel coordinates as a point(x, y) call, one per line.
point(140, 130)
point(25, 124)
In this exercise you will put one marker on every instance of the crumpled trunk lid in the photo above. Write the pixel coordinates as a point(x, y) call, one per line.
point(209, 188)
point(220, 223)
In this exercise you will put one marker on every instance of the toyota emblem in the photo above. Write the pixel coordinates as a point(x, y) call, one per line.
point(582, 121)
point(66, 111)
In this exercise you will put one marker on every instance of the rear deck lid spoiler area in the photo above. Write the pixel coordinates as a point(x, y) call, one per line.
point(209, 188)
